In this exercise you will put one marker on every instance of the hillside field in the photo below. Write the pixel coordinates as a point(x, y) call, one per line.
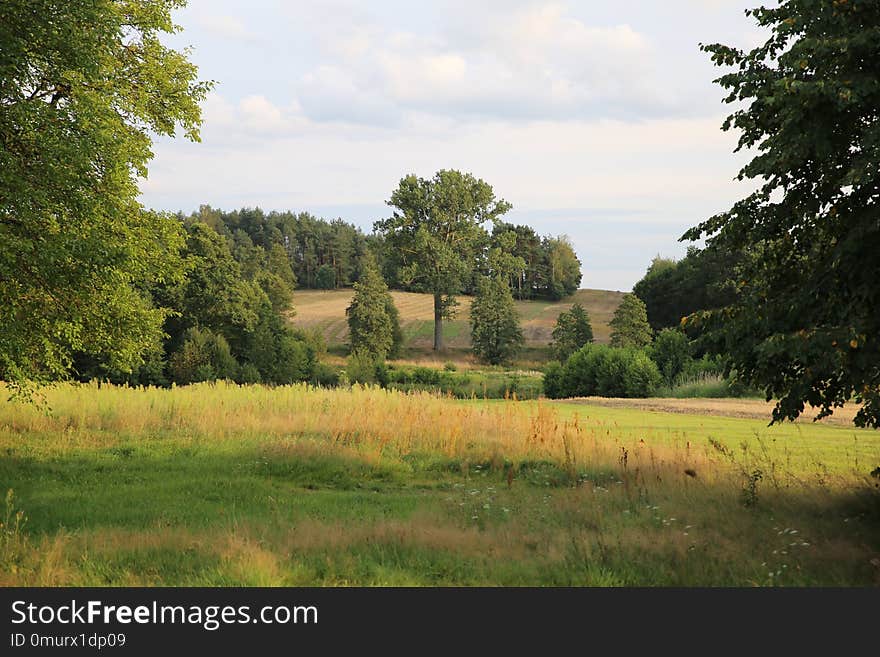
point(225, 485)
point(325, 311)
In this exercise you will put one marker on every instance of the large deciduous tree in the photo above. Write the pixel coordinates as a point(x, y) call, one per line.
point(805, 321)
point(436, 235)
point(83, 87)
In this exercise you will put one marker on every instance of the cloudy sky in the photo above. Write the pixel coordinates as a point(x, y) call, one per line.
point(595, 119)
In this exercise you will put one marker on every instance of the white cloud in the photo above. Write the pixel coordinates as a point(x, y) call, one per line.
point(227, 27)
point(534, 62)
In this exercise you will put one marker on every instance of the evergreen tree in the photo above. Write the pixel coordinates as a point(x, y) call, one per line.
point(495, 329)
point(370, 325)
point(629, 326)
point(573, 330)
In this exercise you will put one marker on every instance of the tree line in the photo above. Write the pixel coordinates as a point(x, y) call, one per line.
point(325, 254)
point(92, 281)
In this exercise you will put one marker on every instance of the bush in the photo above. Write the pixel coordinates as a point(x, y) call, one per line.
point(672, 352)
point(603, 371)
point(325, 375)
point(295, 360)
point(361, 368)
point(203, 356)
point(249, 374)
point(553, 380)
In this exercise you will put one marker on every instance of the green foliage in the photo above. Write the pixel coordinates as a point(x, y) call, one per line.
point(249, 374)
point(435, 236)
point(362, 367)
point(83, 87)
point(805, 323)
point(325, 375)
point(673, 290)
point(325, 278)
point(490, 383)
point(495, 330)
point(672, 352)
point(203, 356)
point(564, 268)
point(604, 371)
point(572, 331)
point(554, 387)
point(629, 326)
point(371, 326)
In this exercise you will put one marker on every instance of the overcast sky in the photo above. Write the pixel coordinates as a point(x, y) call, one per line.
point(595, 119)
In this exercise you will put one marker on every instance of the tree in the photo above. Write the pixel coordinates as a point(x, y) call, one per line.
point(672, 352)
point(436, 235)
point(325, 278)
point(83, 86)
point(396, 329)
point(563, 268)
point(495, 331)
point(572, 331)
point(370, 325)
point(805, 322)
point(203, 356)
point(674, 289)
point(629, 326)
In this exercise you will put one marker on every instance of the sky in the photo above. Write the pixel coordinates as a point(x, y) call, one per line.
point(598, 120)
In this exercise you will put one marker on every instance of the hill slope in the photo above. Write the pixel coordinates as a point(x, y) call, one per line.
point(325, 311)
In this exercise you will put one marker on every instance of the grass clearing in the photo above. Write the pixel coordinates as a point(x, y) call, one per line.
point(325, 312)
point(227, 485)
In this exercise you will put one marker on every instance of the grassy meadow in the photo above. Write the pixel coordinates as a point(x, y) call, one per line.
point(227, 485)
point(325, 311)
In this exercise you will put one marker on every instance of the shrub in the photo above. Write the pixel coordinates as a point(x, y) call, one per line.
point(361, 368)
point(495, 327)
point(553, 380)
point(572, 331)
point(603, 371)
point(249, 374)
point(671, 351)
point(325, 375)
point(203, 356)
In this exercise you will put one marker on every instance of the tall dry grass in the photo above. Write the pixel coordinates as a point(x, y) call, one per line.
point(367, 420)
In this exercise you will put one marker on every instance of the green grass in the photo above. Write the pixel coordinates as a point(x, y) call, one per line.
point(225, 486)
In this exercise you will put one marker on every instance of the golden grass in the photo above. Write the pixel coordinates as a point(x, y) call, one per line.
point(614, 488)
point(375, 423)
point(325, 311)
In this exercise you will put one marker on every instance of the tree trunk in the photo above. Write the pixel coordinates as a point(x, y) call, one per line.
point(438, 322)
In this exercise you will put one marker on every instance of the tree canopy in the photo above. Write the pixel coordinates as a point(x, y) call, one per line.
point(629, 325)
point(436, 235)
point(371, 325)
point(805, 322)
point(83, 87)
point(674, 289)
point(572, 331)
point(495, 327)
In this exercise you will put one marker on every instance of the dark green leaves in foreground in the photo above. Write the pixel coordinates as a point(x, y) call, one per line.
point(805, 322)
